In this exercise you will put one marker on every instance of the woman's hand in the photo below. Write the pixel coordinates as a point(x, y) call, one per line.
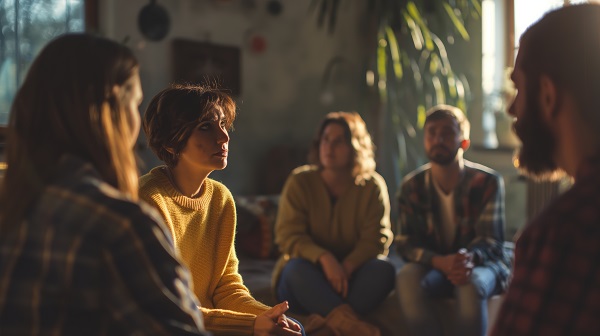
point(335, 273)
point(349, 268)
point(274, 323)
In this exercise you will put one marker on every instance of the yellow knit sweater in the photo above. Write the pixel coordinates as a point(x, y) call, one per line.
point(203, 230)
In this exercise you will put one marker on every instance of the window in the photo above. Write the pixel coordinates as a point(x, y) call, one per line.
point(25, 27)
point(503, 23)
point(526, 13)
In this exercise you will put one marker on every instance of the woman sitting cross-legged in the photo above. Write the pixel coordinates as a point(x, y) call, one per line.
point(333, 229)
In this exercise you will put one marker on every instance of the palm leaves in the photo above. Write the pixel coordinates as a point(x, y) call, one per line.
point(410, 66)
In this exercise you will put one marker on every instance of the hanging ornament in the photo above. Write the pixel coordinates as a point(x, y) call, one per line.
point(255, 40)
point(258, 44)
point(274, 7)
point(153, 21)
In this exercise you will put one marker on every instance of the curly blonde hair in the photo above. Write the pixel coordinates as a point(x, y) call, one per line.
point(356, 135)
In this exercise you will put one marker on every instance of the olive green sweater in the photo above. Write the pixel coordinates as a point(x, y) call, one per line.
point(203, 230)
point(355, 228)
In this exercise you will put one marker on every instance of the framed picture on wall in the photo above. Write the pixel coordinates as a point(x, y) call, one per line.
point(201, 62)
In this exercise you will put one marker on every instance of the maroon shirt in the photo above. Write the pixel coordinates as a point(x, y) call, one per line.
point(555, 288)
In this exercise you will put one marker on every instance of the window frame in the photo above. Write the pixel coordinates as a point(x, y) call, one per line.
point(505, 31)
point(91, 24)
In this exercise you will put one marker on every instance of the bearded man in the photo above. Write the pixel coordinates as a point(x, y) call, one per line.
point(452, 231)
point(555, 288)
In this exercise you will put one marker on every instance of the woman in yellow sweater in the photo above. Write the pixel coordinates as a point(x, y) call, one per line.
point(333, 228)
point(187, 128)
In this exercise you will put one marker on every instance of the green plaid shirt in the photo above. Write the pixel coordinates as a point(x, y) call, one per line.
point(479, 218)
point(87, 261)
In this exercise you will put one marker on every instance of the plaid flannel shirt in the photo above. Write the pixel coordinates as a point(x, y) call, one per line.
point(479, 218)
point(86, 261)
point(555, 288)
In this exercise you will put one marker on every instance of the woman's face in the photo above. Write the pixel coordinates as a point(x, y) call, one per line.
point(130, 94)
point(207, 148)
point(335, 152)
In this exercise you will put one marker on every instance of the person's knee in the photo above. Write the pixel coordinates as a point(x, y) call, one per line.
point(408, 284)
point(296, 267)
point(477, 285)
point(468, 291)
point(410, 275)
point(470, 302)
point(484, 282)
point(383, 266)
point(296, 271)
point(377, 275)
point(385, 272)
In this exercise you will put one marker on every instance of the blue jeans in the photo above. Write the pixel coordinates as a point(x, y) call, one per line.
point(419, 285)
point(304, 285)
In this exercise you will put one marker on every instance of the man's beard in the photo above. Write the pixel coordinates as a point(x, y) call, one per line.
point(536, 156)
point(444, 158)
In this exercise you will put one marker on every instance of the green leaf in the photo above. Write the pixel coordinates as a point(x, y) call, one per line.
point(452, 86)
point(460, 88)
point(461, 104)
point(434, 63)
point(456, 21)
point(421, 116)
point(402, 152)
point(417, 74)
point(477, 6)
point(382, 58)
point(415, 14)
point(415, 31)
point(394, 52)
point(440, 97)
point(382, 67)
point(383, 94)
point(410, 130)
point(443, 54)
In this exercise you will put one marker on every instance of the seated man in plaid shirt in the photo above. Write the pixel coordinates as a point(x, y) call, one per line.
point(555, 289)
point(452, 231)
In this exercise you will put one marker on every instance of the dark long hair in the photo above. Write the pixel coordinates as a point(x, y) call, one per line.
point(67, 104)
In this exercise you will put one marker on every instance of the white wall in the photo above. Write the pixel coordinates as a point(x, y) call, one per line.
point(280, 103)
point(281, 95)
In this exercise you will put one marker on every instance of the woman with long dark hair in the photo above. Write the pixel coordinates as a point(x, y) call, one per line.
point(78, 254)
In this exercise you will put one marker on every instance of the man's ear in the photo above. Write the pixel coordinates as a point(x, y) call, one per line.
point(548, 97)
point(465, 144)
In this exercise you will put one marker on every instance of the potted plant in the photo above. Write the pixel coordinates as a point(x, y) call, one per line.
point(409, 69)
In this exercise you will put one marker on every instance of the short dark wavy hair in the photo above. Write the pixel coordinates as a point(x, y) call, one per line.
point(174, 112)
point(446, 111)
